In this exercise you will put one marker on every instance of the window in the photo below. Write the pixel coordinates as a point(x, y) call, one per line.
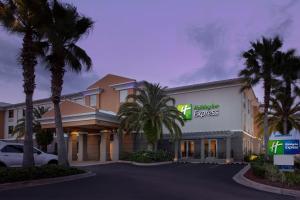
point(12, 149)
point(10, 129)
point(93, 100)
point(23, 113)
point(10, 113)
point(123, 95)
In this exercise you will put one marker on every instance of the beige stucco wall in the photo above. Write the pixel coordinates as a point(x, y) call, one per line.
point(2, 124)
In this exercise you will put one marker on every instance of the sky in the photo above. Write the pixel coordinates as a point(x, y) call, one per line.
point(171, 42)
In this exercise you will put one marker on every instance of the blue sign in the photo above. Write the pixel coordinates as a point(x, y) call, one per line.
point(291, 147)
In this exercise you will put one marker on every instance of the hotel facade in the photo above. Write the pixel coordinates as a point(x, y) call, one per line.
point(220, 124)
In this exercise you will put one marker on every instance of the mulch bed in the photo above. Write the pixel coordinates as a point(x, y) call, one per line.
point(249, 174)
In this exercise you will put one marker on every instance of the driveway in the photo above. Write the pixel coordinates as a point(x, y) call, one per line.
point(128, 182)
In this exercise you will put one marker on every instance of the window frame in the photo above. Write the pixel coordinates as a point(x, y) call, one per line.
point(95, 104)
point(11, 114)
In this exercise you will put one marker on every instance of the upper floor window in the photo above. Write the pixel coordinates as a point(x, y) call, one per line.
point(10, 113)
point(93, 100)
point(23, 112)
point(123, 95)
point(10, 129)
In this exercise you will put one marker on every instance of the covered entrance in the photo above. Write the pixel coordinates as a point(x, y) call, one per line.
point(207, 147)
point(92, 134)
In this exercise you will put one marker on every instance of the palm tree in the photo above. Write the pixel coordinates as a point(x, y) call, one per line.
point(149, 110)
point(260, 62)
point(289, 64)
point(38, 112)
point(279, 109)
point(64, 31)
point(25, 17)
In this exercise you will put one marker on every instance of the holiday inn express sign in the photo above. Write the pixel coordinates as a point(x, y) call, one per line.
point(283, 147)
point(198, 111)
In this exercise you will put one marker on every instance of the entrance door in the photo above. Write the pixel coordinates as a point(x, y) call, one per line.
point(210, 147)
point(187, 149)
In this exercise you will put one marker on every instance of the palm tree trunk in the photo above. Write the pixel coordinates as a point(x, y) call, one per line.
point(56, 87)
point(267, 91)
point(28, 60)
point(287, 97)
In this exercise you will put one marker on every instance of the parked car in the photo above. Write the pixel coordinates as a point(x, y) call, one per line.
point(11, 155)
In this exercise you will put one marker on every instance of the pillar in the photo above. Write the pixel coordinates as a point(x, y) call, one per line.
point(103, 147)
point(176, 145)
point(228, 149)
point(202, 148)
point(115, 148)
point(81, 147)
point(70, 153)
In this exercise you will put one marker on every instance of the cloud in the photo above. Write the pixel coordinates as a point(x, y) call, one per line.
point(212, 40)
point(11, 73)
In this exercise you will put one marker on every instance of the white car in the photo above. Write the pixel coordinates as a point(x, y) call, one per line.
point(11, 155)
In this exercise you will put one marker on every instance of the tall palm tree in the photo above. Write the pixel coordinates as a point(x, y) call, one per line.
point(260, 62)
point(149, 110)
point(38, 112)
point(25, 17)
point(64, 31)
point(279, 109)
point(288, 64)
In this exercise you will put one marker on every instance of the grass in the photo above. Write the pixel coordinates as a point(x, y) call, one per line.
point(8, 175)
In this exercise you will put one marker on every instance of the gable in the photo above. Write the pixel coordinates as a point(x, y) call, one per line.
point(70, 108)
point(109, 79)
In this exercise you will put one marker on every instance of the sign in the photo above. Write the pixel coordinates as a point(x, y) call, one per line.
point(186, 110)
point(198, 111)
point(283, 147)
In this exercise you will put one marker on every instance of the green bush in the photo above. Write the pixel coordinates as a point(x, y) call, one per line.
point(150, 156)
point(272, 173)
point(291, 178)
point(32, 173)
point(258, 169)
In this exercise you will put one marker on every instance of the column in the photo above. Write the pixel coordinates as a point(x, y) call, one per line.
point(202, 148)
point(228, 149)
point(115, 146)
point(187, 149)
point(81, 147)
point(176, 145)
point(70, 153)
point(103, 147)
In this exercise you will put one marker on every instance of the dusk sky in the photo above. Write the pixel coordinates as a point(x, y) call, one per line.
point(172, 42)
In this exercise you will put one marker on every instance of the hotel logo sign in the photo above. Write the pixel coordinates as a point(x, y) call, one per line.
point(281, 147)
point(198, 111)
point(186, 110)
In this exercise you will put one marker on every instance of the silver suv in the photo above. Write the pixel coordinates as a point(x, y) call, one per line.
point(11, 155)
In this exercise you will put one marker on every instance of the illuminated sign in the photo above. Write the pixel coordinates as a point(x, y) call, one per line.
point(283, 147)
point(200, 111)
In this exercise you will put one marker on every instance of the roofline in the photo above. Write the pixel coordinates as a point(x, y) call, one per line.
point(44, 100)
point(233, 81)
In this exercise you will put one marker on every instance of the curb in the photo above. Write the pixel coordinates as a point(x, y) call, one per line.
point(146, 164)
point(46, 181)
point(241, 179)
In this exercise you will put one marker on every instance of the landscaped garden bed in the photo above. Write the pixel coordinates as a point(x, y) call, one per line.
point(8, 175)
point(148, 156)
point(268, 174)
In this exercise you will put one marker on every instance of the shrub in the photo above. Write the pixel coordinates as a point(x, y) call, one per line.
point(291, 178)
point(272, 173)
point(258, 169)
point(150, 156)
point(32, 173)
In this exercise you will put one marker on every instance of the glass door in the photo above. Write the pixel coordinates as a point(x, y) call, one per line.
point(187, 149)
point(210, 148)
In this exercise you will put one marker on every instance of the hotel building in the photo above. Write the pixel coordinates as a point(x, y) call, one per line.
point(219, 118)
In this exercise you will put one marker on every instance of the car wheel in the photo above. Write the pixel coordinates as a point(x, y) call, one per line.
point(53, 162)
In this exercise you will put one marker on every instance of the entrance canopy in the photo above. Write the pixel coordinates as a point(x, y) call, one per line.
point(81, 117)
point(201, 135)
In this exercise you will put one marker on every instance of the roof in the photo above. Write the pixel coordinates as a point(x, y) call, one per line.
point(234, 81)
point(70, 108)
point(65, 96)
point(110, 79)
